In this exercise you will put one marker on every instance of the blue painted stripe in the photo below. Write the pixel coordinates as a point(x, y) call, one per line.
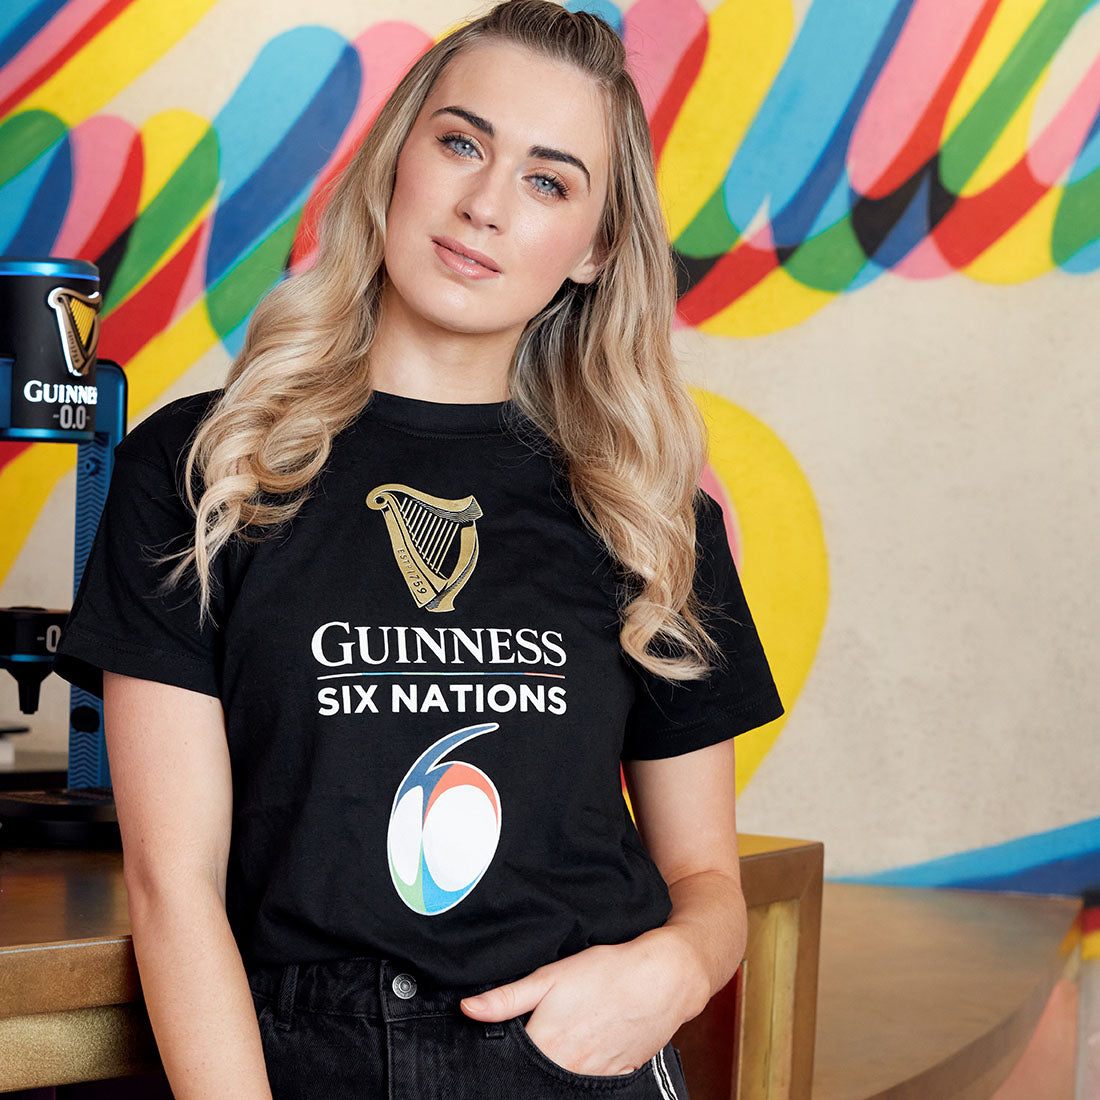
point(43, 217)
point(792, 157)
point(1000, 861)
point(1084, 261)
point(258, 193)
point(602, 8)
point(17, 196)
point(1061, 876)
point(1088, 160)
point(286, 77)
point(21, 20)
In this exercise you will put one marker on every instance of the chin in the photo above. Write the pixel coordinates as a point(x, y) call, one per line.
point(462, 317)
point(461, 321)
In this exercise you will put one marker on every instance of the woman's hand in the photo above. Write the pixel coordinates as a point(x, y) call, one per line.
point(607, 1009)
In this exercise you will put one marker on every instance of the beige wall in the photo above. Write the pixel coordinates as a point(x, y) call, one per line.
point(946, 429)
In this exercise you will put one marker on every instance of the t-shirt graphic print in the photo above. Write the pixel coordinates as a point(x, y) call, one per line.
point(426, 700)
point(444, 826)
point(422, 529)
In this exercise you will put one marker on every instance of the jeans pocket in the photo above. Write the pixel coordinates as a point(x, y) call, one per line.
point(517, 1027)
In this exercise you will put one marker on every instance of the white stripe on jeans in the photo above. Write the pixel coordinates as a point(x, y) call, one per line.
point(660, 1071)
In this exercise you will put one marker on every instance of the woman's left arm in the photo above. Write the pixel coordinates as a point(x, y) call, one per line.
point(609, 1008)
point(685, 810)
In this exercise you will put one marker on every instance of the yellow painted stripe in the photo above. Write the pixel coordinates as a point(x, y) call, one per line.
point(1024, 251)
point(1011, 145)
point(748, 41)
point(124, 49)
point(1090, 945)
point(26, 482)
point(784, 564)
point(168, 356)
point(1004, 32)
point(776, 303)
point(166, 140)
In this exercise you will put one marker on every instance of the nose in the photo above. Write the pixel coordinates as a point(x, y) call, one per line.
point(484, 202)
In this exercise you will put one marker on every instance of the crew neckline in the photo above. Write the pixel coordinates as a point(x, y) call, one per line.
point(441, 416)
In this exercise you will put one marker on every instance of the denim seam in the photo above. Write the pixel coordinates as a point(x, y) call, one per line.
point(288, 984)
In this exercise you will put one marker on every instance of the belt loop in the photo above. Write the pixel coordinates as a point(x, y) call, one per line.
point(284, 1009)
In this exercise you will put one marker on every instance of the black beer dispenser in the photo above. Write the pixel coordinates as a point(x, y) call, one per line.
point(49, 328)
point(54, 389)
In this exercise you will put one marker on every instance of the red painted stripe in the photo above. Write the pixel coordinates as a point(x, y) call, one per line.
point(10, 450)
point(81, 37)
point(924, 143)
point(975, 222)
point(664, 117)
point(307, 233)
point(122, 207)
point(735, 274)
point(147, 311)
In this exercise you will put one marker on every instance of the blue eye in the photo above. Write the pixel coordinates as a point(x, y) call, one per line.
point(451, 140)
point(557, 186)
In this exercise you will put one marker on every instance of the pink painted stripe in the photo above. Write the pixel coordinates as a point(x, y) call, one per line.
point(193, 284)
point(928, 44)
point(925, 261)
point(50, 40)
point(1058, 146)
point(100, 147)
point(656, 34)
point(386, 52)
point(710, 482)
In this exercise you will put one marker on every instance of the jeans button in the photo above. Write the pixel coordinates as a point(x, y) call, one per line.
point(404, 985)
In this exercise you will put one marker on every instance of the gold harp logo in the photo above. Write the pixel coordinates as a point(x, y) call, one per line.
point(422, 530)
point(78, 324)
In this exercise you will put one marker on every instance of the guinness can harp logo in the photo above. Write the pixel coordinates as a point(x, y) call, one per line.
point(77, 324)
point(422, 531)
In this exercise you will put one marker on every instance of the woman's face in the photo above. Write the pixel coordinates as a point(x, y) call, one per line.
point(507, 159)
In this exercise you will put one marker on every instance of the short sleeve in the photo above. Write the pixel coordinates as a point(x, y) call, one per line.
point(122, 619)
point(668, 717)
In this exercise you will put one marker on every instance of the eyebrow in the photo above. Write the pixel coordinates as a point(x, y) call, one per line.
point(543, 152)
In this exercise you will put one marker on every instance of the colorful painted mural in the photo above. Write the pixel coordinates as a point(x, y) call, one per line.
point(807, 150)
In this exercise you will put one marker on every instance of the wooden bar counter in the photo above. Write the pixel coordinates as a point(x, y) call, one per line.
point(933, 994)
point(71, 1008)
point(922, 994)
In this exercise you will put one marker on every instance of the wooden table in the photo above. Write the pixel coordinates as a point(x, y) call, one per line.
point(71, 1010)
point(70, 1007)
point(932, 994)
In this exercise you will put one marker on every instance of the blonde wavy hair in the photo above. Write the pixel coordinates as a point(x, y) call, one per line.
point(594, 369)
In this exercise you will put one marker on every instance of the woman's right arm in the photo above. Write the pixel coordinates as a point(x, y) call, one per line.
point(173, 792)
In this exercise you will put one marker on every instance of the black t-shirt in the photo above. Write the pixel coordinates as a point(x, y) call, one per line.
point(425, 699)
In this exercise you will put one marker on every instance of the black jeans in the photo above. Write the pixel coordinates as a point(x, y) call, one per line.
point(370, 1029)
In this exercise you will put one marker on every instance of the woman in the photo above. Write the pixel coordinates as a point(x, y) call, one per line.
point(440, 566)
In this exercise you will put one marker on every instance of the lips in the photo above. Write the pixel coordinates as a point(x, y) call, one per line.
point(469, 253)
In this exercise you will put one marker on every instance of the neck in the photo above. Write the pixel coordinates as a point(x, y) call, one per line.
point(411, 357)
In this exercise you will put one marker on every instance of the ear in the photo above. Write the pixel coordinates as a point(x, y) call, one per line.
point(592, 264)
